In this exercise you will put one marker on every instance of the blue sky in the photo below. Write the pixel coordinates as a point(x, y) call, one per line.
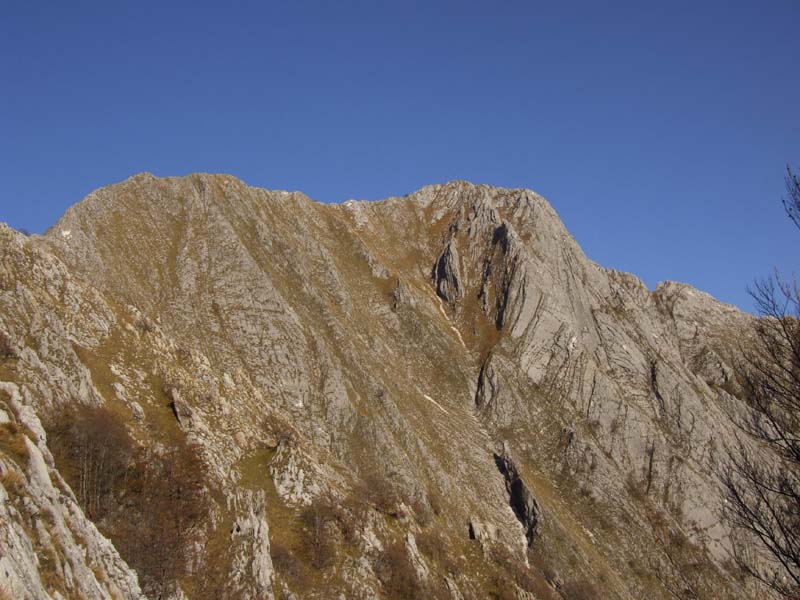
point(659, 131)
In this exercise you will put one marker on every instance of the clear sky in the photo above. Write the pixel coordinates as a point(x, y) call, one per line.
point(659, 131)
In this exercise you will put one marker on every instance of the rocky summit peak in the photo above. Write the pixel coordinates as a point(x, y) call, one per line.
point(433, 396)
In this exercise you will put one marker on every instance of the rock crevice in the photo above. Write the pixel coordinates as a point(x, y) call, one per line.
point(520, 498)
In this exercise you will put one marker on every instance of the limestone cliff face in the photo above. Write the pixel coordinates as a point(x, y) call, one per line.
point(442, 379)
point(48, 548)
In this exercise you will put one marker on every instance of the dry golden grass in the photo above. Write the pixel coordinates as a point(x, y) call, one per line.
point(13, 482)
point(12, 441)
point(6, 592)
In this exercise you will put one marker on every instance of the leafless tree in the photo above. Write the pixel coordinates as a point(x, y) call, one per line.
point(320, 547)
point(168, 504)
point(791, 202)
point(150, 502)
point(761, 477)
point(95, 452)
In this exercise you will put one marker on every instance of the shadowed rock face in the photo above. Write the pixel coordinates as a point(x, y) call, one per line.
point(348, 372)
point(520, 498)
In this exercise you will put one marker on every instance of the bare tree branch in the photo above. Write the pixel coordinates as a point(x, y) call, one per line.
point(761, 476)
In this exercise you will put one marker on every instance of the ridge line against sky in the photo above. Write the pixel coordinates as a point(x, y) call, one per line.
point(659, 133)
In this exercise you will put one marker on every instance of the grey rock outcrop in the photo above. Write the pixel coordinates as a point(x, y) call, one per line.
point(520, 497)
point(48, 548)
point(251, 569)
point(446, 275)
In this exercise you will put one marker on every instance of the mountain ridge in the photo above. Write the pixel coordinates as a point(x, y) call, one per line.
point(145, 176)
point(448, 366)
